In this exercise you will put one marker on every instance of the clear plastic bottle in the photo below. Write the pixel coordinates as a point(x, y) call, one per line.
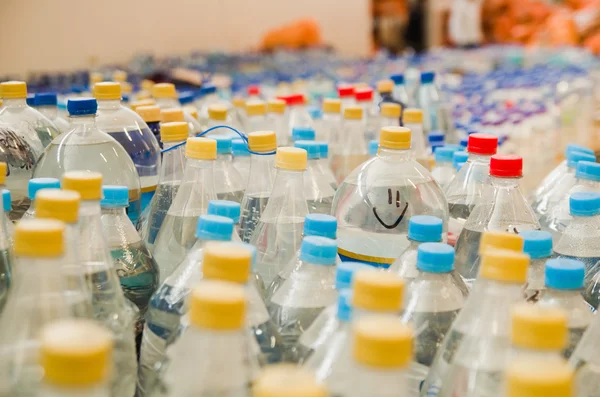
point(351, 144)
point(331, 122)
point(564, 282)
point(346, 95)
point(151, 116)
point(34, 185)
point(285, 380)
point(278, 233)
point(538, 245)
point(317, 190)
point(303, 134)
point(227, 209)
point(323, 165)
point(173, 135)
point(177, 233)
point(87, 147)
point(428, 99)
point(277, 120)
point(260, 181)
point(45, 103)
point(443, 172)
point(256, 116)
point(241, 158)
point(375, 202)
point(541, 379)
point(364, 99)
point(229, 184)
point(390, 115)
point(459, 158)
point(472, 184)
point(7, 206)
point(207, 97)
point(413, 120)
point(484, 318)
point(400, 92)
point(6, 241)
point(217, 116)
point(298, 116)
point(166, 98)
point(238, 113)
point(508, 211)
point(586, 361)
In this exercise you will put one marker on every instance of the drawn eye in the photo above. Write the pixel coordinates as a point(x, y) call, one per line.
point(397, 201)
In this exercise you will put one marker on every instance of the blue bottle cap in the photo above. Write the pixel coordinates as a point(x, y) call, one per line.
point(320, 225)
point(584, 204)
point(323, 149)
point(224, 144)
point(574, 157)
point(373, 147)
point(318, 250)
point(435, 258)
point(6, 200)
point(303, 134)
point(82, 106)
point(30, 100)
point(397, 78)
point(344, 309)
point(208, 89)
point(311, 147)
point(425, 229)
point(252, 252)
point(458, 166)
point(444, 154)
point(114, 196)
point(537, 244)
point(36, 184)
point(459, 157)
point(214, 227)
point(435, 136)
point(563, 273)
point(588, 170)
point(427, 77)
point(239, 148)
point(577, 148)
point(45, 99)
point(315, 112)
point(228, 209)
point(464, 142)
point(186, 97)
point(345, 274)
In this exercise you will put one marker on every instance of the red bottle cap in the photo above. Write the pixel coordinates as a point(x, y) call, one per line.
point(253, 90)
point(363, 94)
point(482, 143)
point(506, 166)
point(294, 99)
point(345, 90)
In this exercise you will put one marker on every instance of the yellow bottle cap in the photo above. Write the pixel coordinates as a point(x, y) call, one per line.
point(13, 90)
point(256, 108)
point(62, 205)
point(75, 353)
point(150, 114)
point(119, 76)
point(142, 103)
point(218, 305)
point(502, 240)
point(412, 116)
point(394, 138)
point(227, 262)
point(392, 110)
point(177, 131)
point(171, 115)
point(107, 90)
point(87, 184)
point(201, 149)
point(142, 96)
point(287, 380)
point(291, 158)
point(331, 105)
point(262, 141)
point(536, 378)
point(147, 85)
point(217, 112)
point(238, 102)
point(164, 90)
point(385, 86)
point(39, 238)
point(377, 291)
point(353, 113)
point(539, 327)
point(95, 77)
point(382, 342)
point(126, 87)
point(3, 169)
point(276, 106)
point(504, 265)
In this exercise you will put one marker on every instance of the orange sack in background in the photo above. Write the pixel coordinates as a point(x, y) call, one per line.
point(299, 34)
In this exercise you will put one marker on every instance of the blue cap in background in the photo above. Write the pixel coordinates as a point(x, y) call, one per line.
point(213, 227)
point(224, 144)
point(36, 184)
point(427, 77)
point(459, 157)
point(114, 196)
point(373, 147)
point(344, 308)
point(435, 258)
point(320, 225)
point(345, 273)
point(537, 244)
point(458, 166)
point(208, 89)
point(6, 200)
point(584, 204)
point(444, 154)
point(239, 148)
point(82, 106)
point(588, 170)
point(315, 112)
point(572, 147)
point(464, 142)
point(323, 149)
point(436, 137)
point(312, 148)
point(318, 250)
point(30, 100)
point(226, 208)
point(563, 273)
point(303, 134)
point(425, 229)
point(574, 157)
point(186, 97)
point(397, 78)
point(45, 99)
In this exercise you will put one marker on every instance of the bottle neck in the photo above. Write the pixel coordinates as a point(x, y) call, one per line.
point(15, 103)
point(288, 179)
point(173, 163)
point(505, 183)
point(114, 211)
point(224, 159)
point(109, 104)
point(82, 120)
point(479, 158)
point(394, 154)
point(49, 111)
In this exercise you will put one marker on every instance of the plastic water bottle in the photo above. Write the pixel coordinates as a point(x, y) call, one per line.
point(130, 130)
point(538, 245)
point(151, 116)
point(390, 115)
point(375, 202)
point(443, 171)
point(385, 90)
point(364, 99)
point(508, 211)
point(317, 190)
point(471, 185)
point(34, 185)
point(373, 148)
point(87, 147)
point(6, 242)
point(169, 180)
point(351, 144)
point(413, 120)
point(227, 209)
point(331, 122)
point(298, 116)
point(229, 184)
point(539, 379)
point(400, 92)
point(323, 165)
point(278, 234)
point(586, 360)
point(303, 134)
point(7, 206)
point(277, 120)
point(177, 233)
point(45, 103)
point(260, 181)
point(166, 98)
point(241, 158)
point(428, 98)
point(459, 158)
point(256, 116)
point(287, 381)
point(186, 100)
point(346, 95)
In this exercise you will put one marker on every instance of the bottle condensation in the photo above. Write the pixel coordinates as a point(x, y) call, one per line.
point(317, 189)
point(538, 245)
point(33, 186)
point(229, 184)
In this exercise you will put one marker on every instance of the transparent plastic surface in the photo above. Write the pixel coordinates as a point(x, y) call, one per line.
point(195, 126)
point(535, 287)
point(376, 382)
point(51, 113)
point(418, 144)
point(298, 116)
point(6, 258)
point(443, 174)
point(229, 184)
point(549, 181)
point(319, 332)
point(428, 98)
point(277, 122)
point(331, 126)
point(256, 195)
point(326, 173)
point(317, 189)
point(579, 241)
point(586, 361)
point(350, 150)
point(242, 165)
point(546, 202)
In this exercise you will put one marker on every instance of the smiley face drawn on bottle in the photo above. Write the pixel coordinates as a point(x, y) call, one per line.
point(390, 202)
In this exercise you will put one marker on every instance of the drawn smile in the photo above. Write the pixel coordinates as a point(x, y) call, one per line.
point(397, 202)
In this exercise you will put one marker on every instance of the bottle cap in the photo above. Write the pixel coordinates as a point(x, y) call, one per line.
point(537, 244)
point(353, 113)
point(459, 157)
point(287, 380)
point(303, 134)
point(249, 247)
point(207, 89)
point(276, 106)
point(119, 75)
point(30, 100)
point(218, 305)
point(150, 114)
point(291, 158)
point(435, 258)
point(588, 170)
point(238, 102)
point(107, 90)
point(171, 115)
point(385, 86)
point(323, 149)
point(436, 137)
point(223, 143)
point(114, 196)
point(62, 205)
point(377, 291)
point(228, 209)
point(363, 94)
point(6, 200)
point(87, 184)
point(164, 90)
point(186, 97)
point(177, 131)
point(142, 102)
point(315, 113)
point(345, 90)
point(444, 154)
point(217, 112)
point(344, 306)
point(345, 273)
point(548, 378)
point(213, 227)
point(390, 109)
point(563, 273)
point(427, 77)
point(506, 166)
point(253, 90)
point(504, 265)
point(412, 116)
point(425, 229)
point(45, 99)
point(331, 105)
point(382, 342)
point(397, 78)
point(584, 204)
point(36, 184)
point(82, 106)
point(3, 172)
point(262, 141)
point(239, 148)
point(502, 240)
point(13, 90)
point(373, 147)
point(574, 157)
point(294, 99)
point(313, 151)
point(395, 138)
point(227, 262)
point(577, 148)
point(256, 108)
point(201, 148)
point(75, 353)
point(539, 327)
point(147, 85)
point(485, 144)
point(320, 225)
point(318, 250)
point(39, 238)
